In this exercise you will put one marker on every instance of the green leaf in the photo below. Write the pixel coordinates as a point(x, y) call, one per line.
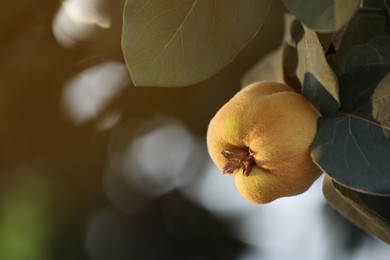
point(370, 213)
point(360, 30)
point(307, 69)
point(323, 15)
point(181, 42)
point(376, 51)
point(353, 146)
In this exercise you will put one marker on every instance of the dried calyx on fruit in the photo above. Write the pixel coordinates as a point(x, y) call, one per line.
point(239, 158)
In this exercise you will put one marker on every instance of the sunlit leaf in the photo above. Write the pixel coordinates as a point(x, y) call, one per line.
point(360, 209)
point(352, 146)
point(323, 15)
point(307, 70)
point(181, 42)
point(376, 51)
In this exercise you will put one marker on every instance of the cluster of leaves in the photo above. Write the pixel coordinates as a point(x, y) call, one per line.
point(336, 53)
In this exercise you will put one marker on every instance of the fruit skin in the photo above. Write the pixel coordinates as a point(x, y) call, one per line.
point(276, 126)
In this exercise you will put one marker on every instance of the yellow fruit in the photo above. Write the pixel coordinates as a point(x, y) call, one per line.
point(262, 137)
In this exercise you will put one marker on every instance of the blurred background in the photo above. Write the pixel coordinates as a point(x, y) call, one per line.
point(92, 167)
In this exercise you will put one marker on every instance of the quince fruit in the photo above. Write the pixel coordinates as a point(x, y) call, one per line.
point(261, 137)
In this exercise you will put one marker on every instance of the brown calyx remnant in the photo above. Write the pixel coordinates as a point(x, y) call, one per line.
point(239, 158)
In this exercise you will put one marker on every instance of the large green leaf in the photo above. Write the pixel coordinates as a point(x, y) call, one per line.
point(370, 213)
point(181, 42)
point(353, 145)
point(376, 51)
point(323, 15)
point(360, 30)
point(307, 70)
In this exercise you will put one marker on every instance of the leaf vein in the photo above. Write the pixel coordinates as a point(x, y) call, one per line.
point(176, 32)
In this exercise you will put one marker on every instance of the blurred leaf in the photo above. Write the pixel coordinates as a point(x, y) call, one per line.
point(277, 65)
point(172, 225)
point(307, 70)
point(269, 68)
point(323, 15)
point(294, 33)
point(372, 3)
point(280, 64)
point(387, 4)
point(350, 204)
point(351, 146)
point(377, 205)
point(25, 223)
point(376, 51)
point(181, 42)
